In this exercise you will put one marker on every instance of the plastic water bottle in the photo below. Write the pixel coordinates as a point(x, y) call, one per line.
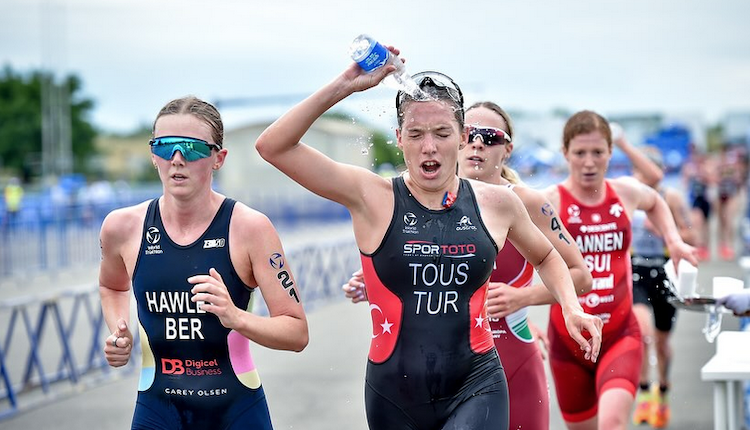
point(371, 55)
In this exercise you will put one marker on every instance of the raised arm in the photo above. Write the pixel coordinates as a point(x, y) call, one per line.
point(651, 173)
point(647, 199)
point(280, 143)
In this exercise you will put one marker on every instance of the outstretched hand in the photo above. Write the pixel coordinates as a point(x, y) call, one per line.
point(739, 303)
point(682, 250)
point(119, 345)
point(577, 322)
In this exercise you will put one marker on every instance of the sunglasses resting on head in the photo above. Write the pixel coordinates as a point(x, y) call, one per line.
point(489, 135)
point(191, 149)
point(435, 80)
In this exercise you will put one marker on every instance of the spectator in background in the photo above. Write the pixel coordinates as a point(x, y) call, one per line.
point(729, 182)
point(13, 197)
point(697, 175)
point(97, 199)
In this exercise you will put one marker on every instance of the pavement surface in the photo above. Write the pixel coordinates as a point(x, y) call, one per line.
point(322, 387)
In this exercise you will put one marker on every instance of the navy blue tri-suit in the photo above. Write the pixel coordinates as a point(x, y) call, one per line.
point(432, 362)
point(196, 373)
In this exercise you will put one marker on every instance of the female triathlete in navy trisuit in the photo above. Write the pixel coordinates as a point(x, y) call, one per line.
point(194, 258)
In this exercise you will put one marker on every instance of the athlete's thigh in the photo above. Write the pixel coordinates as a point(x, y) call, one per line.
point(529, 395)
point(575, 386)
point(640, 286)
point(486, 410)
point(620, 365)
point(155, 414)
point(664, 312)
point(383, 414)
point(255, 416)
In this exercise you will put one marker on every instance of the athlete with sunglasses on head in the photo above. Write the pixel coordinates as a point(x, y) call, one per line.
point(485, 159)
point(427, 256)
point(194, 257)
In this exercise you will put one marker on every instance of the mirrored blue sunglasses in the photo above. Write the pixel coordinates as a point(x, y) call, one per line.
point(191, 149)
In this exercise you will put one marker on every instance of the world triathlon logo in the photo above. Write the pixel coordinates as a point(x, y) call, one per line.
point(410, 219)
point(410, 224)
point(153, 235)
point(276, 261)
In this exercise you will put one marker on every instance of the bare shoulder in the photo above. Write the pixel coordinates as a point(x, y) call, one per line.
point(251, 222)
point(627, 181)
point(487, 192)
point(125, 221)
point(494, 198)
point(552, 194)
point(536, 202)
point(378, 190)
point(530, 196)
point(628, 186)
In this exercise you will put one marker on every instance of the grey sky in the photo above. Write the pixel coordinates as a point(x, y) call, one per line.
point(639, 55)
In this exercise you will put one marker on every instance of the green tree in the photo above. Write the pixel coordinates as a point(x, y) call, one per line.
point(714, 138)
point(21, 121)
point(385, 151)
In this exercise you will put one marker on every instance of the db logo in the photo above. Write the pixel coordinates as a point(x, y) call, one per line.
point(171, 366)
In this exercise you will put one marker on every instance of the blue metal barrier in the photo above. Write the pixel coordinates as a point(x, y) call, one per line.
point(49, 331)
point(64, 330)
